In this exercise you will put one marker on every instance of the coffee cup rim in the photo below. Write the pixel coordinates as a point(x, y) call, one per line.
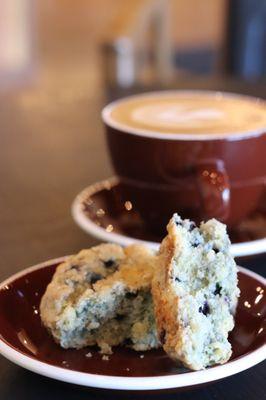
point(151, 134)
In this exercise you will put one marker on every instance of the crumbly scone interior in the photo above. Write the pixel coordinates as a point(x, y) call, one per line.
point(103, 301)
point(121, 317)
point(200, 292)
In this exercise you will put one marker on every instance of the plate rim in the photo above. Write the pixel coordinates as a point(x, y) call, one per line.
point(160, 382)
point(242, 249)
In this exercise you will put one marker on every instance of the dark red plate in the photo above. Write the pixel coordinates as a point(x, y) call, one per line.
point(26, 342)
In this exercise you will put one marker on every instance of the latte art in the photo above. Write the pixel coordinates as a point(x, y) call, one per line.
point(188, 113)
point(175, 115)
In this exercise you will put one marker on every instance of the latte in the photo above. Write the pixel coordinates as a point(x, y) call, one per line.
point(187, 112)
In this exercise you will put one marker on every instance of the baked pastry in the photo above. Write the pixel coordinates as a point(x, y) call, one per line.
point(195, 293)
point(102, 296)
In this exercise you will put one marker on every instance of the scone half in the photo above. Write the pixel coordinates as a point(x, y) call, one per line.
point(102, 296)
point(195, 293)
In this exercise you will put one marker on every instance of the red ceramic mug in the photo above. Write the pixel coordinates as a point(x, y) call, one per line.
point(201, 154)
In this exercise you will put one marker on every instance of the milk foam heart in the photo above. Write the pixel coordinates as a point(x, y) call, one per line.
point(168, 114)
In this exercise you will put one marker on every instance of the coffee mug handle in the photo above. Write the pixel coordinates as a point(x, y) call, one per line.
point(214, 189)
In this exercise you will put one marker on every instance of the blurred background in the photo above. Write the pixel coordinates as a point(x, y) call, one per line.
point(98, 44)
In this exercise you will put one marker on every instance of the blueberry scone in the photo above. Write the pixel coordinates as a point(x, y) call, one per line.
point(195, 293)
point(102, 296)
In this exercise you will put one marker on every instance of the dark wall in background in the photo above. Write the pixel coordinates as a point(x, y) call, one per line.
point(247, 38)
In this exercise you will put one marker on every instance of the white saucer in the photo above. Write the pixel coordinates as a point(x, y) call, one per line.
point(92, 210)
point(25, 342)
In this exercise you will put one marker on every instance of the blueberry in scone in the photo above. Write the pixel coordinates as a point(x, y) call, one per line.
point(102, 296)
point(195, 293)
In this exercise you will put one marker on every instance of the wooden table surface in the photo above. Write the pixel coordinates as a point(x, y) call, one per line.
point(51, 147)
